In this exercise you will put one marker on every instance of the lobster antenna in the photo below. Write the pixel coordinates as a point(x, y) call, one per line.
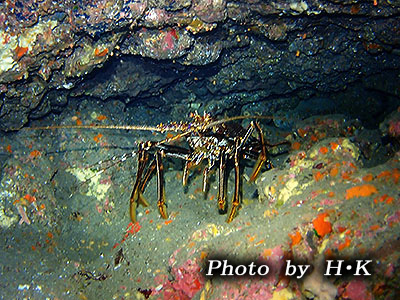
point(242, 118)
point(124, 127)
point(148, 128)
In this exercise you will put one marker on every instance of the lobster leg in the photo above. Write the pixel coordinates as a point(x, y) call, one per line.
point(236, 196)
point(148, 174)
point(185, 173)
point(206, 171)
point(137, 196)
point(160, 186)
point(222, 183)
point(262, 158)
point(177, 152)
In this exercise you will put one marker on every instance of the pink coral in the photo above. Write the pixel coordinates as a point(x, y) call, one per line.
point(187, 282)
point(356, 290)
point(188, 278)
point(276, 260)
point(246, 289)
point(169, 39)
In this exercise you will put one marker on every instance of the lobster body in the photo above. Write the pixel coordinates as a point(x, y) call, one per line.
point(218, 143)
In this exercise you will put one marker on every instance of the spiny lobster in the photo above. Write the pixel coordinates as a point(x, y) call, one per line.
point(219, 142)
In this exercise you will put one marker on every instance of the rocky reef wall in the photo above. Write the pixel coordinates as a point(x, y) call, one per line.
point(213, 55)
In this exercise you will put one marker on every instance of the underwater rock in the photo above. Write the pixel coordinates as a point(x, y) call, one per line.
point(267, 50)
